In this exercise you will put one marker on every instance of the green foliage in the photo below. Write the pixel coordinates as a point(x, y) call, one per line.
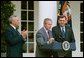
point(7, 9)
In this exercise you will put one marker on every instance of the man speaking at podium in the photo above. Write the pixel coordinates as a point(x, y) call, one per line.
point(62, 33)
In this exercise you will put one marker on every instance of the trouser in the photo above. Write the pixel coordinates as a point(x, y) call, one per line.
point(54, 53)
point(64, 53)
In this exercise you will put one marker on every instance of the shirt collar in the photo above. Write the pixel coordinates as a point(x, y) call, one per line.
point(13, 26)
point(63, 27)
point(45, 29)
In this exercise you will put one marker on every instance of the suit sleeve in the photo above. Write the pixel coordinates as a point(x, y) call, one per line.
point(39, 39)
point(53, 32)
point(12, 38)
point(56, 34)
point(72, 36)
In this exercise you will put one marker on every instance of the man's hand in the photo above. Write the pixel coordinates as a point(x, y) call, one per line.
point(24, 33)
point(51, 40)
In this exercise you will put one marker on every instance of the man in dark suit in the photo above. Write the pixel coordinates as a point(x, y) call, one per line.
point(62, 33)
point(14, 39)
point(43, 39)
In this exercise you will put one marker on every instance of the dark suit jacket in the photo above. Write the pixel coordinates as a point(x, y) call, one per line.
point(14, 43)
point(69, 36)
point(41, 40)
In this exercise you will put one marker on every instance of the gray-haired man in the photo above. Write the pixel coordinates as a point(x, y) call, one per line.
point(14, 39)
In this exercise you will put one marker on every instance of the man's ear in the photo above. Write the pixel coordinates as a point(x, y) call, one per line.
point(66, 21)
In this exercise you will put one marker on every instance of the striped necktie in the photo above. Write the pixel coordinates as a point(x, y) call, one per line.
point(63, 33)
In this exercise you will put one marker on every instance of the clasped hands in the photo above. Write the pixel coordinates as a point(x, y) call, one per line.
point(24, 33)
point(51, 40)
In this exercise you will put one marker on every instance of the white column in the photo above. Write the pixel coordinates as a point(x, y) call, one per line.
point(75, 12)
point(17, 11)
point(47, 9)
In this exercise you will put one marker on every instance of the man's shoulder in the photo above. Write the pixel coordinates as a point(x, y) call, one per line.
point(68, 27)
point(40, 30)
point(10, 29)
point(55, 27)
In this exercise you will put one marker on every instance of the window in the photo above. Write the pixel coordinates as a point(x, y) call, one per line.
point(81, 27)
point(27, 22)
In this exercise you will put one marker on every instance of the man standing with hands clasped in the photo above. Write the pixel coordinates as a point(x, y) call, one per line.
point(62, 33)
point(14, 39)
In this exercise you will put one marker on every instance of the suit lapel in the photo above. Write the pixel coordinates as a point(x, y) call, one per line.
point(66, 34)
point(45, 34)
point(14, 31)
point(60, 34)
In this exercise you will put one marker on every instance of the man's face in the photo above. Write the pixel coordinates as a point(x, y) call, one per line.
point(62, 21)
point(15, 21)
point(48, 25)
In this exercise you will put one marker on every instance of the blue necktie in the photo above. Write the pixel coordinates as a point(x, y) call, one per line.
point(63, 33)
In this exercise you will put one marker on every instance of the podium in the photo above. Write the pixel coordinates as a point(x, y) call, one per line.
point(57, 46)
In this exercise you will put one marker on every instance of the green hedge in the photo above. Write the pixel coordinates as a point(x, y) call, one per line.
point(7, 9)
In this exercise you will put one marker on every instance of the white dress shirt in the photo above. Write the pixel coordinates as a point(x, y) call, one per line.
point(13, 26)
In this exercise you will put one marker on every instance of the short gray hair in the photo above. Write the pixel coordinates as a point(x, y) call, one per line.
point(47, 19)
point(11, 18)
